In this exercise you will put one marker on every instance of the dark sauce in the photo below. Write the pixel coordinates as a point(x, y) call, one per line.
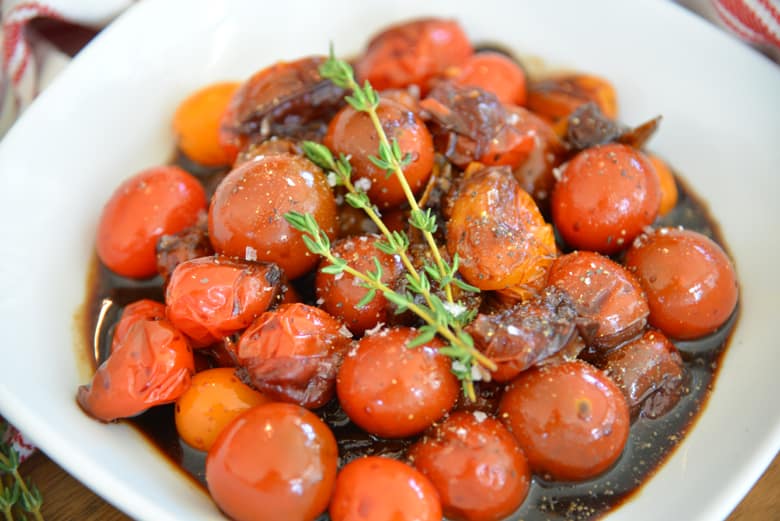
point(650, 441)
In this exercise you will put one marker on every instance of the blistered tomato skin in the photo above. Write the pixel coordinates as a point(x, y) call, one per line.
point(382, 489)
point(495, 73)
point(476, 465)
point(391, 390)
point(556, 98)
point(246, 216)
point(690, 282)
point(605, 197)
point(353, 134)
point(293, 353)
point(152, 203)
point(153, 365)
point(139, 310)
point(214, 399)
point(275, 461)
point(571, 420)
point(210, 298)
point(413, 53)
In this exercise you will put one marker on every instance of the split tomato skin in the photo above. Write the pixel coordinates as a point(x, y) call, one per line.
point(144, 309)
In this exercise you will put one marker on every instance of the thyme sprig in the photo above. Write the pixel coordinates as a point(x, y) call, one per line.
point(15, 493)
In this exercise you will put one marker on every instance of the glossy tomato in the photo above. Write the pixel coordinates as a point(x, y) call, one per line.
point(493, 72)
point(144, 309)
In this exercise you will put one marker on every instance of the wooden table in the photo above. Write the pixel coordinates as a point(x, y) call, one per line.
point(65, 499)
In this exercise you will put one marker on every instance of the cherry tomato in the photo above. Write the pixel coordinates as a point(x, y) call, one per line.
point(197, 120)
point(556, 98)
point(413, 53)
point(605, 295)
point(246, 217)
point(269, 147)
point(293, 353)
point(341, 294)
point(667, 183)
point(210, 298)
point(151, 366)
point(383, 489)
point(152, 203)
point(143, 309)
point(499, 235)
point(190, 243)
point(493, 72)
point(690, 282)
point(476, 465)
point(571, 420)
point(275, 461)
point(214, 399)
point(606, 196)
point(381, 389)
point(352, 133)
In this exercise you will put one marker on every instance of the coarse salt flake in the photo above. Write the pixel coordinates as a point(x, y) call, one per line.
point(480, 416)
point(250, 254)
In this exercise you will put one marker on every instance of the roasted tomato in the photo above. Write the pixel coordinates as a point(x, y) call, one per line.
point(152, 203)
point(340, 294)
point(413, 53)
point(214, 399)
point(493, 72)
point(607, 297)
point(499, 235)
point(293, 353)
point(190, 243)
point(667, 183)
point(690, 282)
point(556, 98)
point(197, 120)
point(353, 134)
point(383, 489)
point(275, 461)
point(144, 309)
point(269, 147)
point(605, 197)
point(246, 216)
point(283, 100)
point(476, 465)
point(380, 388)
point(526, 333)
point(152, 365)
point(571, 420)
point(212, 297)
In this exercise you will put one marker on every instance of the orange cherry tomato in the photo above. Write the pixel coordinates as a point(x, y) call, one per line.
point(210, 298)
point(571, 420)
point(380, 386)
point(668, 184)
point(604, 293)
point(143, 309)
point(493, 72)
point(152, 203)
point(246, 216)
point(557, 98)
point(153, 365)
point(690, 282)
point(476, 465)
point(340, 295)
point(275, 461)
point(605, 197)
point(383, 489)
point(352, 133)
point(197, 120)
point(293, 353)
point(214, 399)
point(413, 53)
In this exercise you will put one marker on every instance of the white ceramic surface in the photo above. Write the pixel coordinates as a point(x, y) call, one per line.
point(108, 116)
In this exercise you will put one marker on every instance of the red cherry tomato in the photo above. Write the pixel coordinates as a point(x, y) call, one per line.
point(353, 134)
point(382, 489)
point(381, 389)
point(210, 298)
point(494, 73)
point(152, 203)
point(690, 282)
point(413, 53)
point(246, 216)
point(153, 365)
point(606, 196)
point(571, 420)
point(293, 353)
point(476, 465)
point(143, 309)
point(275, 461)
point(340, 295)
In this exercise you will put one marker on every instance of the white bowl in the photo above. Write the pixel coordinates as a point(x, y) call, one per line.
point(108, 116)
